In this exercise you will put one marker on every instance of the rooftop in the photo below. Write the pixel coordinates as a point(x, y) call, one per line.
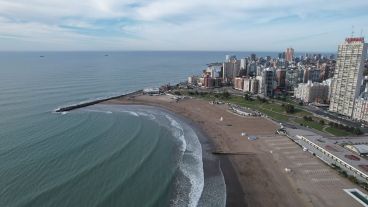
point(334, 145)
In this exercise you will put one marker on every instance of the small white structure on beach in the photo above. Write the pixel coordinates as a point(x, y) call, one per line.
point(252, 138)
point(151, 91)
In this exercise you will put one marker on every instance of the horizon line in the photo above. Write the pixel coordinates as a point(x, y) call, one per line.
point(229, 51)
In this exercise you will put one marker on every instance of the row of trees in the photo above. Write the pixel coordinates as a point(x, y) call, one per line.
point(223, 95)
point(354, 130)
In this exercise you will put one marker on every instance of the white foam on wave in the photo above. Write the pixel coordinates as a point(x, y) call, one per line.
point(95, 110)
point(64, 112)
point(193, 170)
point(150, 116)
point(132, 113)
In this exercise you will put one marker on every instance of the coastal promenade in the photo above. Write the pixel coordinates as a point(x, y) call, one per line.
point(259, 164)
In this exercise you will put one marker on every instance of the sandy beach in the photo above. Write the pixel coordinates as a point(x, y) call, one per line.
point(256, 176)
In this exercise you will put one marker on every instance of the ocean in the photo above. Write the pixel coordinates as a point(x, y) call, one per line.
point(100, 155)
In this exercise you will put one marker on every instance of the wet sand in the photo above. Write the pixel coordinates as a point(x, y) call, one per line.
point(252, 178)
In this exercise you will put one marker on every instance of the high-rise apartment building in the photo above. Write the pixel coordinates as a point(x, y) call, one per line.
point(289, 54)
point(231, 69)
point(269, 82)
point(348, 75)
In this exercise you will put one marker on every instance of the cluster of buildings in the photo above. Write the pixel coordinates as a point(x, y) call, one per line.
point(318, 78)
point(268, 76)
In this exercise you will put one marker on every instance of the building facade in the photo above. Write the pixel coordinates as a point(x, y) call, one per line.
point(239, 83)
point(348, 76)
point(269, 82)
point(361, 107)
point(289, 55)
point(312, 92)
point(231, 70)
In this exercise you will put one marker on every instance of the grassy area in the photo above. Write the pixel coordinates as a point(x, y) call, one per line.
point(271, 109)
point(275, 110)
point(301, 113)
point(311, 124)
point(337, 132)
point(274, 115)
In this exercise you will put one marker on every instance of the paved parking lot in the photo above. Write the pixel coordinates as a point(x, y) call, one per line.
point(322, 185)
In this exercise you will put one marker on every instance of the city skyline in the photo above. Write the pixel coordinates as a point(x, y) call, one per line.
point(179, 25)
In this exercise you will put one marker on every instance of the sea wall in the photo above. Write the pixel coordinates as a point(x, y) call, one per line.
point(93, 102)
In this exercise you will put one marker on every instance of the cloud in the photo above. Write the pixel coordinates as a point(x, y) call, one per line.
point(178, 24)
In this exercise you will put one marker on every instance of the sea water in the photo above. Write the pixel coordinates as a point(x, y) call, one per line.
point(100, 155)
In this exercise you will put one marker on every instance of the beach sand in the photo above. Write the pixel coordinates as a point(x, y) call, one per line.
point(252, 178)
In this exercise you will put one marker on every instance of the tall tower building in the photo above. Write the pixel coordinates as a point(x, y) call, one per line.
point(348, 75)
point(289, 54)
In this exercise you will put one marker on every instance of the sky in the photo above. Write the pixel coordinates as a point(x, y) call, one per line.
point(209, 25)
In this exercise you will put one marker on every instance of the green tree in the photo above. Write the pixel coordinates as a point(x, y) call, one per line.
point(321, 122)
point(289, 108)
point(262, 100)
point(178, 93)
point(247, 96)
point(226, 95)
point(357, 131)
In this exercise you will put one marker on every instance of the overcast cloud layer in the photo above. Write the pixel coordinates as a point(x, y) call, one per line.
point(247, 25)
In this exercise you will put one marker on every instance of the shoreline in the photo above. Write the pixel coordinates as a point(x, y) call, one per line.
point(249, 180)
point(256, 171)
point(234, 190)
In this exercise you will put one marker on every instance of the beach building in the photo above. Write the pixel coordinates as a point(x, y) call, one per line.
point(334, 152)
point(151, 91)
point(360, 149)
